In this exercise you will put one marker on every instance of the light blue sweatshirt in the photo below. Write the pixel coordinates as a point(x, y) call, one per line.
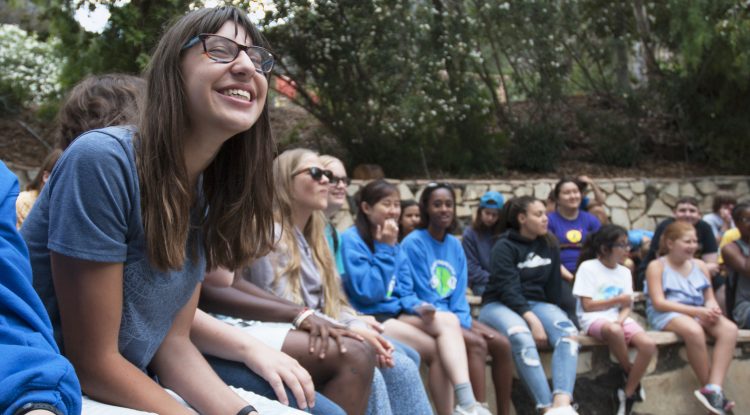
point(439, 271)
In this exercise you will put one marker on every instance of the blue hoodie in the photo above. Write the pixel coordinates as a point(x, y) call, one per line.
point(440, 273)
point(377, 282)
point(31, 367)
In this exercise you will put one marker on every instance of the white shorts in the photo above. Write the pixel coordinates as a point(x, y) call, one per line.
point(264, 405)
point(271, 334)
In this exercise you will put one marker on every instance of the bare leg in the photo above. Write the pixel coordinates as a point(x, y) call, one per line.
point(440, 386)
point(646, 350)
point(452, 351)
point(476, 353)
point(695, 342)
point(725, 333)
point(343, 378)
point(502, 367)
point(615, 338)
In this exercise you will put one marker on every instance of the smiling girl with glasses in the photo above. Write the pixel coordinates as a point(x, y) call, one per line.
point(604, 289)
point(132, 218)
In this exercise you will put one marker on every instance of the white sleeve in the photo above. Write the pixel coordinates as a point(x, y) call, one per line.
point(584, 284)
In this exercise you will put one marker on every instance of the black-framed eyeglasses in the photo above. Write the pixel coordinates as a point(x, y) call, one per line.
point(335, 180)
point(625, 246)
point(316, 173)
point(224, 50)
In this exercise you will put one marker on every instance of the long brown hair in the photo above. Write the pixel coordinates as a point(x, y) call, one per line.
point(284, 167)
point(237, 223)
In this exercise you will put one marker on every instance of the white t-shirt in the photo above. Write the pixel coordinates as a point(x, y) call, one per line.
point(596, 281)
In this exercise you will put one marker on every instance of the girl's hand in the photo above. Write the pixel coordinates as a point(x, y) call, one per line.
point(387, 233)
point(374, 324)
point(539, 335)
point(483, 330)
point(321, 329)
point(625, 300)
point(537, 329)
point(725, 214)
point(383, 348)
point(279, 369)
point(706, 315)
point(426, 311)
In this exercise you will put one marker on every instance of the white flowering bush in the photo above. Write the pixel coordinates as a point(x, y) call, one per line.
point(31, 68)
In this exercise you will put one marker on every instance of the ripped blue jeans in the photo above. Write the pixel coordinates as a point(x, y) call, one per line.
point(525, 355)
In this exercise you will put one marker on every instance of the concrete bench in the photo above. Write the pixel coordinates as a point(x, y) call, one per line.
point(669, 381)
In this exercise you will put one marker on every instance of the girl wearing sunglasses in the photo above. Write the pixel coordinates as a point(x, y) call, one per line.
point(301, 269)
point(132, 217)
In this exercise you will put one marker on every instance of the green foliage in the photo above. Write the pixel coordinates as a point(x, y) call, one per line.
point(710, 91)
point(536, 146)
point(615, 137)
point(123, 46)
point(466, 86)
point(371, 73)
point(30, 70)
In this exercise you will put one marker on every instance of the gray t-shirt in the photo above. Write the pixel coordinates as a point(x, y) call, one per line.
point(90, 209)
point(263, 274)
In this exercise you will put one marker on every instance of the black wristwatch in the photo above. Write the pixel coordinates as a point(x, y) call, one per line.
point(33, 406)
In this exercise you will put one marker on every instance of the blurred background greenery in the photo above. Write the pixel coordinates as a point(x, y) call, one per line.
point(457, 87)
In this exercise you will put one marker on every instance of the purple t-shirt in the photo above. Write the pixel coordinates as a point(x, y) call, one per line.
point(571, 234)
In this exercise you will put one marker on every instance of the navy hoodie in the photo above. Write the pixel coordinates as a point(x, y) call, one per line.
point(31, 367)
point(523, 270)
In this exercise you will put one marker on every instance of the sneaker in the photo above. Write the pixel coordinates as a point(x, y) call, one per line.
point(562, 410)
point(475, 409)
point(624, 404)
point(712, 401)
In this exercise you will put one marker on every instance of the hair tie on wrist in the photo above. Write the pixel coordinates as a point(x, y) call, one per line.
point(246, 410)
point(305, 313)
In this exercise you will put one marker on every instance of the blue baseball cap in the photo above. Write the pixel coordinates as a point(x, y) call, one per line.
point(491, 199)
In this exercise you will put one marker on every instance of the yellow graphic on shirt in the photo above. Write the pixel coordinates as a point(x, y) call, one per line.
point(574, 236)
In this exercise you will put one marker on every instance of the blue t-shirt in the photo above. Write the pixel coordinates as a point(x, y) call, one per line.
point(571, 234)
point(90, 209)
point(31, 368)
point(439, 272)
point(378, 282)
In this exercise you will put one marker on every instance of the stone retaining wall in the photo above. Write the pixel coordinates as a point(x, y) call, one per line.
point(634, 203)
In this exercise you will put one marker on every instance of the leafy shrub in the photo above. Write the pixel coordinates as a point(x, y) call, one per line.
point(615, 138)
point(536, 146)
point(31, 70)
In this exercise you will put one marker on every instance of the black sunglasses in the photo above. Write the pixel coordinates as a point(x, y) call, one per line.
point(335, 180)
point(316, 173)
